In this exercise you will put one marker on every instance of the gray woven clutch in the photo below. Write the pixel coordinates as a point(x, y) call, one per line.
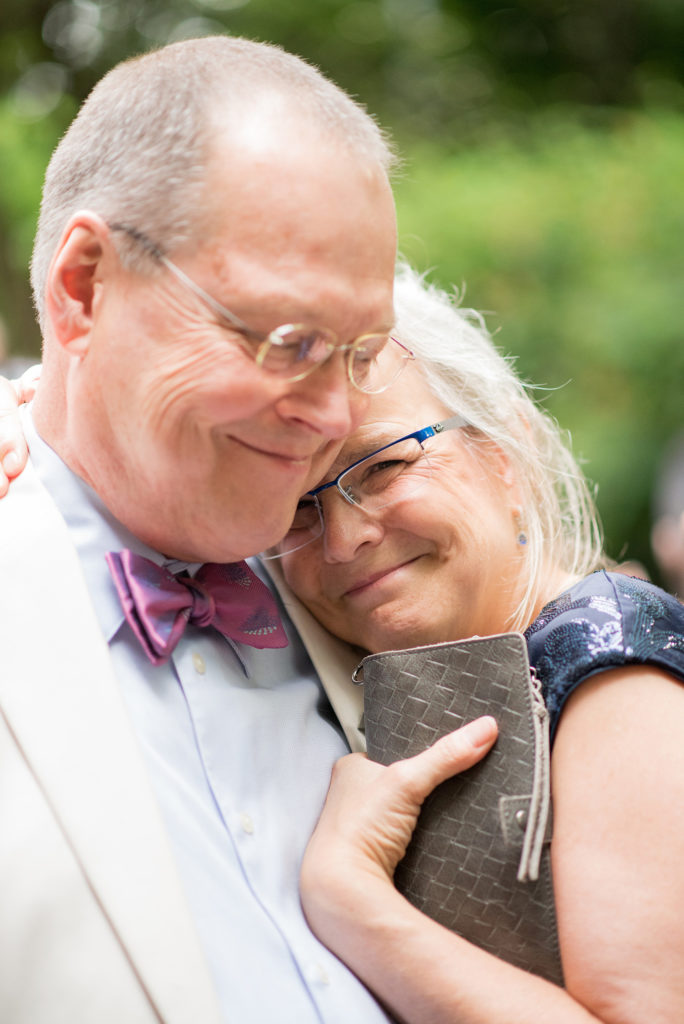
point(479, 860)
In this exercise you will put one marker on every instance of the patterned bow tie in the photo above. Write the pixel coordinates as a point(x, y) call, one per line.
point(158, 605)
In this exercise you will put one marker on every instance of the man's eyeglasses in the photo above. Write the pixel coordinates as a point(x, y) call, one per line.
point(392, 473)
point(293, 351)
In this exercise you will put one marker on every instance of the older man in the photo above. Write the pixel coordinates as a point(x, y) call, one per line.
point(213, 274)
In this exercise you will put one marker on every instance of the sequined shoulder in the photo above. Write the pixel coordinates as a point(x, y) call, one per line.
point(605, 621)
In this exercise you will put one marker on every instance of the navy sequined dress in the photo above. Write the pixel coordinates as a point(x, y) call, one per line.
point(605, 621)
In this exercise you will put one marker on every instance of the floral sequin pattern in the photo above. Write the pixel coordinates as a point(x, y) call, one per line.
point(652, 627)
point(605, 621)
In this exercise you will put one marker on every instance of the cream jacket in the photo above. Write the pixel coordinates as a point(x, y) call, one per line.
point(94, 925)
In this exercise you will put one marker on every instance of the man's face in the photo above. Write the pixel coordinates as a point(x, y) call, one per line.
point(192, 446)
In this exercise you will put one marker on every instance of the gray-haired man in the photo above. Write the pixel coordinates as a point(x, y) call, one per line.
point(213, 274)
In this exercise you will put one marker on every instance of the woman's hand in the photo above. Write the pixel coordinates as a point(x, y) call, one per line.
point(369, 817)
point(624, 727)
point(13, 450)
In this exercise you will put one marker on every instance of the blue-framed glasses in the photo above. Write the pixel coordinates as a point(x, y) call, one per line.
point(293, 351)
point(394, 472)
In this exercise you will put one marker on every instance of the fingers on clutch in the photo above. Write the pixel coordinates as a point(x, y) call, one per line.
point(452, 754)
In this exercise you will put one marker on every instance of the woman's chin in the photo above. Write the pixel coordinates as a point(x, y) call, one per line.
point(399, 636)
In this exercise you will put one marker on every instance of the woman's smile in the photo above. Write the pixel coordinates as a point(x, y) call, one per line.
point(373, 582)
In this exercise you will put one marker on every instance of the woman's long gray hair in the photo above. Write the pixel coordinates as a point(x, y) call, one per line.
point(466, 371)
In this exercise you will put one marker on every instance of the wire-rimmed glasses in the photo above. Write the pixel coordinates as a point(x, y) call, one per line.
point(388, 475)
point(293, 351)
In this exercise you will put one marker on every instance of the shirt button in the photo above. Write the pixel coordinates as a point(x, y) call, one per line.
point(199, 663)
point(247, 824)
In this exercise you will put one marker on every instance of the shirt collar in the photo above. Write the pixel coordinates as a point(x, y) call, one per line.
point(93, 528)
point(95, 531)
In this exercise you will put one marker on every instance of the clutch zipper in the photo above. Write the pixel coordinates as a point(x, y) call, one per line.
point(540, 800)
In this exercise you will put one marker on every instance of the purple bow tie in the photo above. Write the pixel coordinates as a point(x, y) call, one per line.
point(159, 606)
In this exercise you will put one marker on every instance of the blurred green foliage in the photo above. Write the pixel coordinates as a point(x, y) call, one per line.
point(572, 240)
point(544, 167)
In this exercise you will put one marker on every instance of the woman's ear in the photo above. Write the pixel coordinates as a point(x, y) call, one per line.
point(500, 466)
point(76, 270)
point(501, 463)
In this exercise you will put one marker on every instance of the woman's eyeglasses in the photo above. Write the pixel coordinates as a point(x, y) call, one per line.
point(394, 472)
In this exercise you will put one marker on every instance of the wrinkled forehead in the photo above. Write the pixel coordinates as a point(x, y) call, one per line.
point(305, 228)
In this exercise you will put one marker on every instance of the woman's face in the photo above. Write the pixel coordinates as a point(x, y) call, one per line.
point(443, 564)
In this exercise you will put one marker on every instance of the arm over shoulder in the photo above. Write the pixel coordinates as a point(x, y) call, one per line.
point(13, 449)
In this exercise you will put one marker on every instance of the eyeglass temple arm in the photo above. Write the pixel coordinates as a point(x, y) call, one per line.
point(453, 423)
point(213, 303)
point(407, 352)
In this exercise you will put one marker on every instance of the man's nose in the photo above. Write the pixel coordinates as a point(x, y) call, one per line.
point(326, 400)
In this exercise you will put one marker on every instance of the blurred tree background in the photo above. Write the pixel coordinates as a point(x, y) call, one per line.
point(543, 146)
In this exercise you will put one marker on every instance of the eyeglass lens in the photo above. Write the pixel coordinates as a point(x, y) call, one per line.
point(388, 476)
point(383, 479)
point(307, 526)
point(293, 351)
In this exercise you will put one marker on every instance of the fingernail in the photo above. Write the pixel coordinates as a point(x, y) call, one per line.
point(10, 463)
point(481, 730)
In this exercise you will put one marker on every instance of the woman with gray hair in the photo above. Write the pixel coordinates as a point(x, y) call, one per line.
point(458, 510)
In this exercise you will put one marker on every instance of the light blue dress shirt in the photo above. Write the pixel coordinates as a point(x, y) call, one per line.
point(239, 744)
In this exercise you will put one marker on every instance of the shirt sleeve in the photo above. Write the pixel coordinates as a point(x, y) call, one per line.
point(606, 621)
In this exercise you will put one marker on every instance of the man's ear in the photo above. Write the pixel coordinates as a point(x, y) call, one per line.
point(76, 270)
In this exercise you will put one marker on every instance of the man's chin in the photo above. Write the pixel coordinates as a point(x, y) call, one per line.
point(263, 543)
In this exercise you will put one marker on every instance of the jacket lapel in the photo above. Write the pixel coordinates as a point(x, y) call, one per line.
point(61, 701)
point(333, 659)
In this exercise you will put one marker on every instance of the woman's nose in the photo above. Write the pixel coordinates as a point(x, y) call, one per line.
point(348, 528)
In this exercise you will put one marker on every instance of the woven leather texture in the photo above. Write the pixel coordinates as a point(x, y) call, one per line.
point(461, 865)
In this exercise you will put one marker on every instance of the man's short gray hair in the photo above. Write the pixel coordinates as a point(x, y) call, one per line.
point(138, 151)
point(466, 372)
